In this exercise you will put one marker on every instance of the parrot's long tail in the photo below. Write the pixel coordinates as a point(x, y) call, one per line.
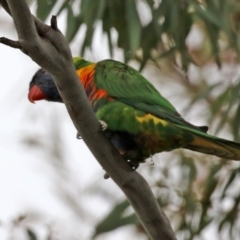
point(208, 144)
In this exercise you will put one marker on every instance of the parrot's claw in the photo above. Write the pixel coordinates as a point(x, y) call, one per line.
point(78, 136)
point(103, 124)
point(134, 166)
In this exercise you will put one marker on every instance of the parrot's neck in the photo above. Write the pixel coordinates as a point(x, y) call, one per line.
point(80, 62)
point(86, 75)
point(85, 71)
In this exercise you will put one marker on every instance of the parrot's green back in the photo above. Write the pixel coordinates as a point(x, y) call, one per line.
point(127, 85)
point(141, 122)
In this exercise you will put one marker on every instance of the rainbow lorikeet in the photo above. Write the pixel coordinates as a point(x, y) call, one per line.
point(140, 121)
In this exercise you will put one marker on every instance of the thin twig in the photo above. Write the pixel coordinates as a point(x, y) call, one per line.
point(10, 43)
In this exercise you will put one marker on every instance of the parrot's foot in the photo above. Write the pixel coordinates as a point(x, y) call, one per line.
point(133, 165)
point(78, 136)
point(103, 124)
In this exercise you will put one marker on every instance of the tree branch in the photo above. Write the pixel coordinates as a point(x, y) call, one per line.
point(49, 49)
point(10, 43)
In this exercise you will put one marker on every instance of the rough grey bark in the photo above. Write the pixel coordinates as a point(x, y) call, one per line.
point(49, 49)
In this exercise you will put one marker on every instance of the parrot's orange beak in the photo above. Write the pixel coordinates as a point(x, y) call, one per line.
point(35, 94)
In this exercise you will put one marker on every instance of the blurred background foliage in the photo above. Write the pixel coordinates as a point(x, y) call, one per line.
point(190, 49)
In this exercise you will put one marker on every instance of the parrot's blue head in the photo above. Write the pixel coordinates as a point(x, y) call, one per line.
point(42, 87)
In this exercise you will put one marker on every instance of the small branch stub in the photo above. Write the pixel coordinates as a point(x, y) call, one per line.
point(54, 23)
point(10, 43)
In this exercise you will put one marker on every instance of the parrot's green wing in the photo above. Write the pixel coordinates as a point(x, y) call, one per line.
point(126, 84)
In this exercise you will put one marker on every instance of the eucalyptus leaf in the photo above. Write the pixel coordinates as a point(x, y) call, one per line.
point(44, 8)
point(31, 235)
point(115, 219)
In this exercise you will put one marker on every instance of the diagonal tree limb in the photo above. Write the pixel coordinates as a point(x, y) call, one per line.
point(49, 49)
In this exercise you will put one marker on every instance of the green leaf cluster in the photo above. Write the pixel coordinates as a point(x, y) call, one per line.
point(165, 33)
